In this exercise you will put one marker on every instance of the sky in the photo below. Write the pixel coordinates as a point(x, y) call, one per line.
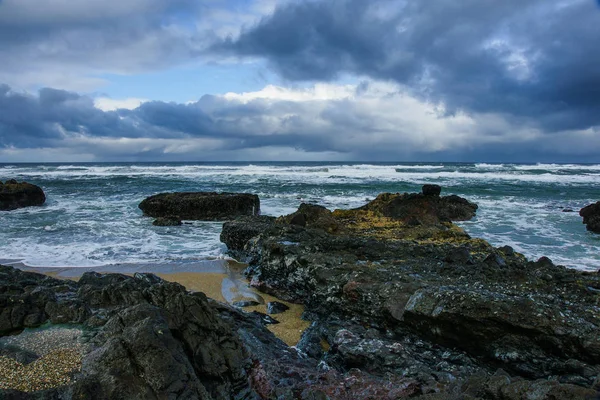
point(291, 80)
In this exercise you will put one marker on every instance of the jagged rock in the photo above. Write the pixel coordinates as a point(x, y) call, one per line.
point(15, 195)
point(421, 208)
point(236, 233)
point(276, 307)
point(312, 216)
point(28, 300)
point(151, 338)
point(204, 206)
point(167, 221)
point(591, 217)
point(245, 303)
point(432, 284)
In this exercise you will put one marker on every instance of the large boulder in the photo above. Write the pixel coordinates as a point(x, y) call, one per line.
point(15, 195)
point(425, 208)
point(202, 206)
point(591, 217)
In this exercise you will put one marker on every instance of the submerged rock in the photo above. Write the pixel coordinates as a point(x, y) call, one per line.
point(591, 217)
point(15, 195)
point(204, 206)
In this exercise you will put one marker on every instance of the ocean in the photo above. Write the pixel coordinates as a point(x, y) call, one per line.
point(91, 216)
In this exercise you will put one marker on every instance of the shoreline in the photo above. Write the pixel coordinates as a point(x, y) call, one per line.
point(221, 280)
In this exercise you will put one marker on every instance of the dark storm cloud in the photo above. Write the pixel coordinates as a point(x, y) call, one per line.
point(55, 115)
point(370, 123)
point(70, 43)
point(534, 58)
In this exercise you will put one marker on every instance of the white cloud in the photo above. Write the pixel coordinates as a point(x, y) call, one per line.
point(320, 91)
point(108, 104)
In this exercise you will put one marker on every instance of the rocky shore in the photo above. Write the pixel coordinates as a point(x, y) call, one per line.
point(402, 303)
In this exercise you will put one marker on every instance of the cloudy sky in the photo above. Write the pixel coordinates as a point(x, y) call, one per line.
point(249, 80)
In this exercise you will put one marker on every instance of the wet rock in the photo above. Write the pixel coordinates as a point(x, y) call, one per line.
point(15, 195)
point(236, 233)
point(150, 338)
point(204, 206)
point(312, 216)
point(431, 190)
point(276, 307)
point(459, 255)
point(439, 288)
point(245, 303)
point(167, 221)
point(591, 217)
point(29, 300)
point(427, 209)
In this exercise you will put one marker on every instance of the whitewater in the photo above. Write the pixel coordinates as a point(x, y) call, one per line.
point(91, 216)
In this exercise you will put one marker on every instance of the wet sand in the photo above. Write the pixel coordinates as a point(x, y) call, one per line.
point(221, 280)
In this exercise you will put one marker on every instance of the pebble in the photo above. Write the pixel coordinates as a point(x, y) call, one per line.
point(49, 371)
point(60, 357)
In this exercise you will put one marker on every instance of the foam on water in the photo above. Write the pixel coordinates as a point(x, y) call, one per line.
point(91, 216)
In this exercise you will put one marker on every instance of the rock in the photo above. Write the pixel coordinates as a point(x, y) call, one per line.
point(151, 338)
point(276, 307)
point(431, 190)
point(425, 209)
point(430, 289)
point(236, 233)
point(15, 195)
point(312, 216)
point(591, 217)
point(167, 221)
point(459, 255)
point(203, 206)
point(245, 303)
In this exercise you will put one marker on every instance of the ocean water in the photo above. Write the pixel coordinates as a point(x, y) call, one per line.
point(91, 216)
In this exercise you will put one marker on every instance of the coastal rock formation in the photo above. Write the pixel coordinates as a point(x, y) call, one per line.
point(15, 195)
point(591, 217)
point(203, 206)
point(147, 338)
point(421, 208)
point(394, 288)
point(399, 308)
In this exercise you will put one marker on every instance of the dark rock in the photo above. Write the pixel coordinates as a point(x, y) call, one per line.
point(245, 303)
point(426, 209)
point(167, 221)
point(156, 340)
point(236, 233)
point(567, 210)
point(298, 219)
point(266, 319)
point(431, 190)
point(276, 307)
point(15, 195)
point(591, 217)
point(535, 319)
point(459, 255)
point(29, 300)
point(312, 216)
point(205, 206)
